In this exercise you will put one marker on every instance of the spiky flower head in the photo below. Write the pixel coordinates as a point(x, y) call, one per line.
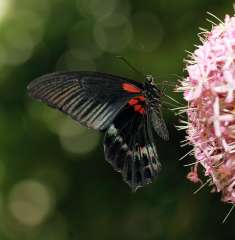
point(209, 90)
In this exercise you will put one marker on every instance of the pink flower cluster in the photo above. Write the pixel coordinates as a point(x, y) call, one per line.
point(209, 90)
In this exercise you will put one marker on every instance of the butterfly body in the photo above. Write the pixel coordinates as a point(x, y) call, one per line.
point(128, 111)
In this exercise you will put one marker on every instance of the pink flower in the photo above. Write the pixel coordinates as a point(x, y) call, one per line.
point(209, 90)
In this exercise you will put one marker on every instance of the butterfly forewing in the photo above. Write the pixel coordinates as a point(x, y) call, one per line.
point(93, 99)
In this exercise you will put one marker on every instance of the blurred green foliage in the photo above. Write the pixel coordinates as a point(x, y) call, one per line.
point(54, 182)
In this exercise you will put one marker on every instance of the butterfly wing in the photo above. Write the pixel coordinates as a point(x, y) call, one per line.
point(111, 103)
point(91, 98)
point(129, 147)
point(158, 122)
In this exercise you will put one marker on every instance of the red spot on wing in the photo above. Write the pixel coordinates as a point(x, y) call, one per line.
point(137, 107)
point(133, 101)
point(130, 88)
point(141, 98)
point(138, 103)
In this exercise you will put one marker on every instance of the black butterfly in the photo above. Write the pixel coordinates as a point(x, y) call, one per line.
point(128, 111)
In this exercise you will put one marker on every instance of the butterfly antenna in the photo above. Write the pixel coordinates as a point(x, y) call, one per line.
point(130, 65)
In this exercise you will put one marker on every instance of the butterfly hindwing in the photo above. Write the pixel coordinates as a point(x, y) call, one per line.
point(93, 99)
point(129, 148)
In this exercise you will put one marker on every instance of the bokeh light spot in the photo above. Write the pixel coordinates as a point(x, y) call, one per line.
point(95, 9)
point(30, 202)
point(113, 38)
point(20, 40)
point(41, 113)
point(4, 8)
point(76, 138)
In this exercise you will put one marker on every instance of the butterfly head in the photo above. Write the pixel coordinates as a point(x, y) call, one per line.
point(151, 85)
point(150, 79)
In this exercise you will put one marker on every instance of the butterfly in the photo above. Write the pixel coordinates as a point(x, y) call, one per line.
point(127, 111)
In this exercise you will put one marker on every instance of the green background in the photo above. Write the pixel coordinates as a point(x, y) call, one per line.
point(54, 181)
